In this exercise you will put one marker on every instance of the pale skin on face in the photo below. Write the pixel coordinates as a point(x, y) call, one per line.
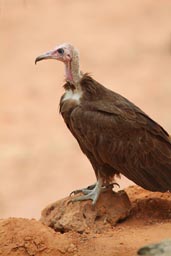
point(67, 54)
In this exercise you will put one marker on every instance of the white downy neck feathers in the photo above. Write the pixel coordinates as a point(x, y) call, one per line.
point(73, 95)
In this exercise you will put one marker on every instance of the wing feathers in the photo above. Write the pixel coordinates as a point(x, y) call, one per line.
point(114, 132)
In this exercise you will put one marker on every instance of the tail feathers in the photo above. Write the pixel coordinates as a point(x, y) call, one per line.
point(155, 179)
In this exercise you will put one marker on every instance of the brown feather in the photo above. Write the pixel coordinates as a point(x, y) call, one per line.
point(118, 137)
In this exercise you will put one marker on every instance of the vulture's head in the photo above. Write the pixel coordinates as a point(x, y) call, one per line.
point(69, 56)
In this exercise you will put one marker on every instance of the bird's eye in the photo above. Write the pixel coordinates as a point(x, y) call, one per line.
point(60, 51)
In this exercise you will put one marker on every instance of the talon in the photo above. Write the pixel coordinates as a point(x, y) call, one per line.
point(85, 191)
point(113, 184)
point(74, 192)
point(92, 192)
point(69, 201)
point(89, 193)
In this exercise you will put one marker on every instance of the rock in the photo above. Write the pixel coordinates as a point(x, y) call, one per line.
point(160, 249)
point(149, 206)
point(82, 216)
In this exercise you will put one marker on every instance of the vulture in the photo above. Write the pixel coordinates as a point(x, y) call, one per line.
point(116, 136)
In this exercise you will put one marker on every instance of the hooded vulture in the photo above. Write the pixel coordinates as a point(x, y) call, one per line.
point(115, 135)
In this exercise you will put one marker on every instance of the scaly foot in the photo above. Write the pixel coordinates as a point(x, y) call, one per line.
point(85, 191)
point(89, 189)
point(92, 192)
point(92, 195)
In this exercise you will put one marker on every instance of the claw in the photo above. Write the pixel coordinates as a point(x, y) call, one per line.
point(74, 192)
point(85, 191)
point(111, 185)
point(89, 193)
point(92, 192)
point(90, 196)
point(88, 190)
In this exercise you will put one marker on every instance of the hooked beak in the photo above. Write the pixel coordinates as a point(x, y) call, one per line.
point(45, 56)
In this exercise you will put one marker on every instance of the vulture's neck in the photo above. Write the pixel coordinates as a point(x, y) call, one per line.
point(72, 72)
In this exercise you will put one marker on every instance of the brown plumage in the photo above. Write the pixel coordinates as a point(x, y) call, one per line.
point(115, 135)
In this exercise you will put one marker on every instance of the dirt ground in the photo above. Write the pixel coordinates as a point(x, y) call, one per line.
point(125, 45)
point(148, 222)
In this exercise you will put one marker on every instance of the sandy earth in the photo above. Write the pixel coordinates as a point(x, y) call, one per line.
point(148, 222)
point(126, 46)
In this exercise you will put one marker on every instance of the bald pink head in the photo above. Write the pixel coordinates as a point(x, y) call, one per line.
point(63, 52)
point(69, 56)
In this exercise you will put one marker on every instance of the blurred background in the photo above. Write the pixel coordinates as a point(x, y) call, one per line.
point(125, 45)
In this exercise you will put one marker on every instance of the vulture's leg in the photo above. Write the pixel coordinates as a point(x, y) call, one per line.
point(93, 194)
